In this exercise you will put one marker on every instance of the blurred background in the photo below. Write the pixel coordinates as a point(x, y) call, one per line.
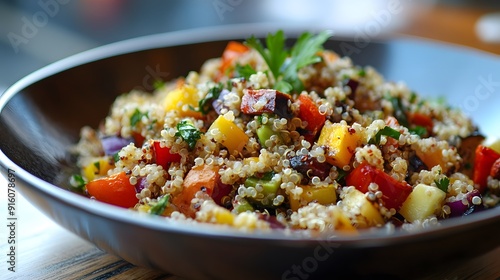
point(34, 33)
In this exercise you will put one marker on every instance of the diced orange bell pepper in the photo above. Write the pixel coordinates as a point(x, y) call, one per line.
point(232, 51)
point(115, 189)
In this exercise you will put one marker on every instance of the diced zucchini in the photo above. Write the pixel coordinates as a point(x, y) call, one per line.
point(264, 133)
point(341, 141)
point(422, 202)
point(323, 195)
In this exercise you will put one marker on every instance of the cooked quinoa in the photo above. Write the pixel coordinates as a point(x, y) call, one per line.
point(339, 150)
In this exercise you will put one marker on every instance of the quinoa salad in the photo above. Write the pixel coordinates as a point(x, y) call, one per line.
point(270, 137)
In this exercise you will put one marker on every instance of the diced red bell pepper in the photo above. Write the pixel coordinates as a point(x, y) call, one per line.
point(232, 51)
point(115, 189)
point(483, 163)
point(163, 156)
point(309, 112)
point(394, 192)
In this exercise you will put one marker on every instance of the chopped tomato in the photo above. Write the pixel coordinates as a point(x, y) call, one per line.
point(232, 51)
point(163, 156)
point(394, 192)
point(483, 163)
point(115, 189)
point(309, 112)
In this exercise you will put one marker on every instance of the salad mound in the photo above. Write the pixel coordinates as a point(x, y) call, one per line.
point(270, 137)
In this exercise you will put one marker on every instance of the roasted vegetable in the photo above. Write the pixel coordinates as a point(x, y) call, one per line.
point(340, 141)
point(422, 202)
point(200, 178)
point(394, 192)
point(485, 158)
point(234, 137)
point(324, 195)
point(309, 112)
point(310, 166)
point(257, 102)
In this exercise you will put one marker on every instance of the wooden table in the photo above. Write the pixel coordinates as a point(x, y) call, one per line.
point(47, 251)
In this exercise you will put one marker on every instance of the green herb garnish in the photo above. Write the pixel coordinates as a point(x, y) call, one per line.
point(418, 130)
point(158, 84)
point(284, 64)
point(137, 116)
point(77, 181)
point(116, 157)
point(362, 72)
point(97, 165)
point(386, 131)
point(160, 206)
point(188, 132)
point(212, 94)
point(443, 184)
point(244, 71)
point(399, 111)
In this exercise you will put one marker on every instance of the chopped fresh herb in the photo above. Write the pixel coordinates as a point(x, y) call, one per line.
point(244, 71)
point(399, 111)
point(188, 132)
point(137, 116)
point(158, 84)
point(212, 94)
point(284, 65)
point(160, 206)
point(413, 97)
point(443, 184)
point(362, 72)
point(418, 130)
point(77, 181)
point(386, 131)
point(116, 157)
point(341, 174)
point(97, 165)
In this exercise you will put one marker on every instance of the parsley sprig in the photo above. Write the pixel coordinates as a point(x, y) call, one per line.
point(285, 64)
point(188, 132)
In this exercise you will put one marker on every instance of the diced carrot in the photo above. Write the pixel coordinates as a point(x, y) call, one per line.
point(232, 51)
point(199, 178)
point(115, 189)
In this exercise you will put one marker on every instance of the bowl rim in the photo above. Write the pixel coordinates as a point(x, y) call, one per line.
point(201, 35)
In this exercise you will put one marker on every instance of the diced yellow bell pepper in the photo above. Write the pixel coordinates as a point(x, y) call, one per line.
point(422, 202)
point(343, 223)
point(234, 137)
point(355, 201)
point(341, 141)
point(181, 96)
point(224, 216)
point(97, 168)
point(323, 195)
